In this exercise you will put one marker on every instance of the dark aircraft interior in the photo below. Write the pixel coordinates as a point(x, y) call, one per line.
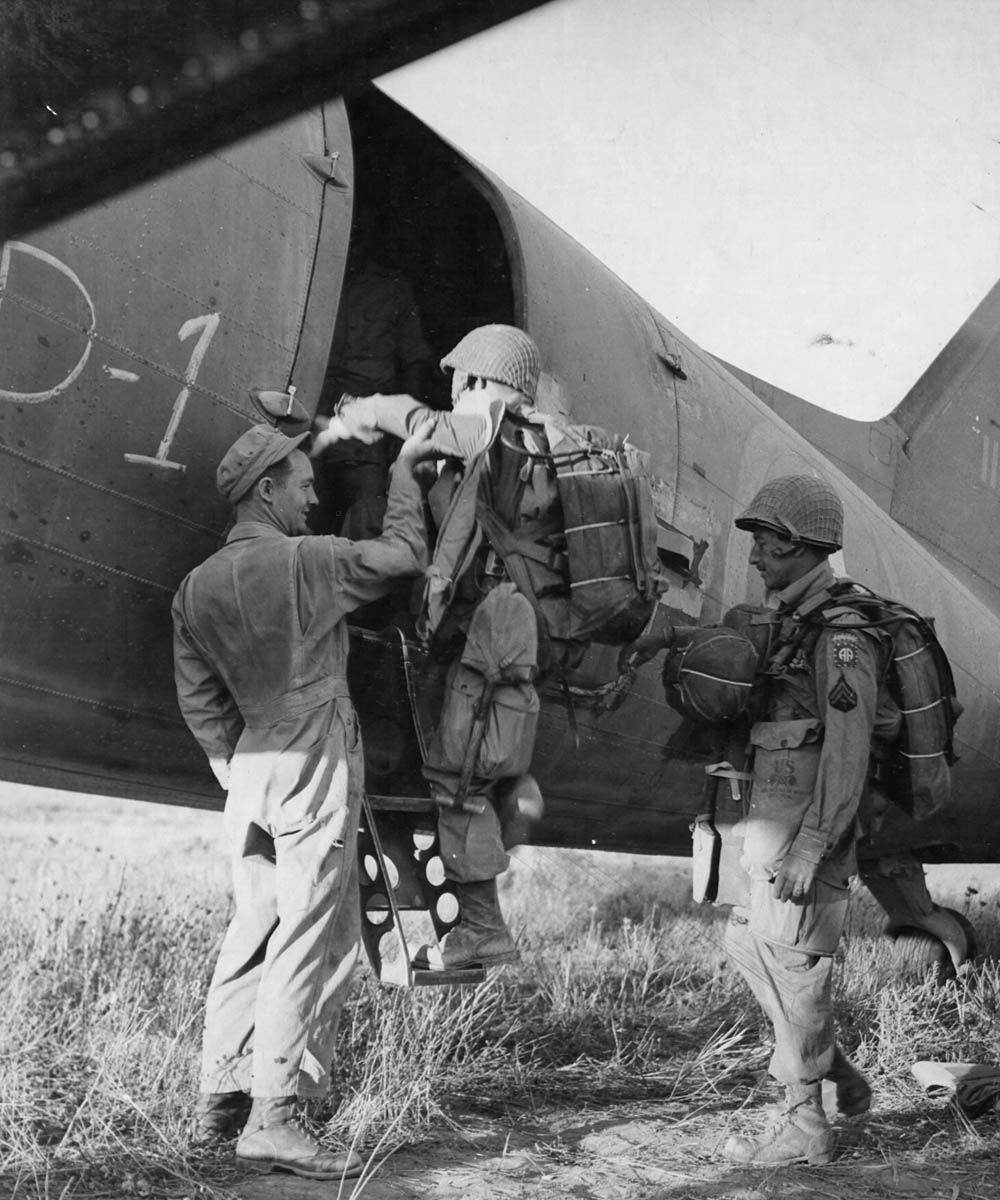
point(419, 212)
point(431, 223)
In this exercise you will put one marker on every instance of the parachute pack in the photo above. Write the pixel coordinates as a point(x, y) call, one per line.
point(919, 679)
point(610, 542)
point(608, 530)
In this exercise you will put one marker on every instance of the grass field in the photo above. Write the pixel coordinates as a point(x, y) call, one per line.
point(609, 1062)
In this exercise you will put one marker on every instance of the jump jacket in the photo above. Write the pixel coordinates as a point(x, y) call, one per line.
point(813, 741)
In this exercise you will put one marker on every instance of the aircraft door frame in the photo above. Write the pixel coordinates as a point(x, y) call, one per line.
point(335, 174)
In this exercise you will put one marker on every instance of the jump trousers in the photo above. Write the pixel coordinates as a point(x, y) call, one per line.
point(784, 950)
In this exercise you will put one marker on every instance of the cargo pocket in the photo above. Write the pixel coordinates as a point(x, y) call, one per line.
point(786, 763)
point(812, 926)
point(510, 732)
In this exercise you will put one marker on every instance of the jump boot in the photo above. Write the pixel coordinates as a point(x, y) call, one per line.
point(800, 1134)
point(480, 939)
point(218, 1118)
point(854, 1096)
point(276, 1140)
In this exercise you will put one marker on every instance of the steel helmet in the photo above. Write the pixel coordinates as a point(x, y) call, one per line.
point(502, 353)
point(798, 507)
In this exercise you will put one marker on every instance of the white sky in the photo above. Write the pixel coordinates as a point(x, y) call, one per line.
point(766, 173)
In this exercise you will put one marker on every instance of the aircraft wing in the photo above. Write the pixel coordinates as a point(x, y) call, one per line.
point(96, 99)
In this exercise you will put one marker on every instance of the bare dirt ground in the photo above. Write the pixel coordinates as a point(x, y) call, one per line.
point(656, 1150)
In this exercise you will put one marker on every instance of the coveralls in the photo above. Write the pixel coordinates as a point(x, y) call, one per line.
point(260, 658)
point(489, 465)
point(813, 744)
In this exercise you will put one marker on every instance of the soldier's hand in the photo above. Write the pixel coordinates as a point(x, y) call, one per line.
point(794, 878)
point(643, 649)
point(356, 421)
point(336, 429)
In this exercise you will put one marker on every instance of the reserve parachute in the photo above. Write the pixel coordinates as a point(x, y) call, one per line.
point(709, 672)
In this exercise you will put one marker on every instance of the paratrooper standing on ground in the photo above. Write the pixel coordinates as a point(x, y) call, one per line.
point(814, 727)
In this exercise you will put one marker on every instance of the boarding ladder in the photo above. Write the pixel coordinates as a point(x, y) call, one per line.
point(400, 871)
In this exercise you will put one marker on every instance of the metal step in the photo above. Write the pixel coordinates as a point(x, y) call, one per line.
point(400, 870)
point(463, 978)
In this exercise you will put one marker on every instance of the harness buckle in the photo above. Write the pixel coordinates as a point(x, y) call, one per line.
point(494, 565)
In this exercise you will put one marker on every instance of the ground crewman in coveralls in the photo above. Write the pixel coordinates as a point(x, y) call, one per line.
point(813, 734)
point(261, 660)
point(498, 445)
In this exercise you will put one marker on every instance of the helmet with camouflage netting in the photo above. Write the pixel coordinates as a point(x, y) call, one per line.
point(799, 507)
point(501, 353)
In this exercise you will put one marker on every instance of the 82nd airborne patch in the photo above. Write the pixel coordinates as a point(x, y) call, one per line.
point(845, 649)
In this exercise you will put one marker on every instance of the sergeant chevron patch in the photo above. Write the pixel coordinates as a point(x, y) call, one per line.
point(842, 696)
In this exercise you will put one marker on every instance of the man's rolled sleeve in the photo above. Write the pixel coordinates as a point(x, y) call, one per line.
point(459, 435)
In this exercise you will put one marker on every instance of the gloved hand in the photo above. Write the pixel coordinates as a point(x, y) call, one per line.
point(643, 649)
point(338, 429)
point(794, 878)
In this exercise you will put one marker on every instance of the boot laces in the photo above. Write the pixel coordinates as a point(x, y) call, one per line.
point(782, 1114)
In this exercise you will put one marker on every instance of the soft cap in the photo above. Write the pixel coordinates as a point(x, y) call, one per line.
point(249, 457)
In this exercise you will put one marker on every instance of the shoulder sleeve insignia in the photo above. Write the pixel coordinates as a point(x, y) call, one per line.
point(845, 649)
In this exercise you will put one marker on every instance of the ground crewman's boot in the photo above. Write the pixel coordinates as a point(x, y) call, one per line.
point(800, 1134)
point(218, 1118)
point(854, 1096)
point(480, 939)
point(275, 1139)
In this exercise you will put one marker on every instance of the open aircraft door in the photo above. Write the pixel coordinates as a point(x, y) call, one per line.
point(619, 380)
point(130, 336)
point(593, 762)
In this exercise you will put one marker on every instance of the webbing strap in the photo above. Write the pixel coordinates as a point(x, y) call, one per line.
point(511, 551)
